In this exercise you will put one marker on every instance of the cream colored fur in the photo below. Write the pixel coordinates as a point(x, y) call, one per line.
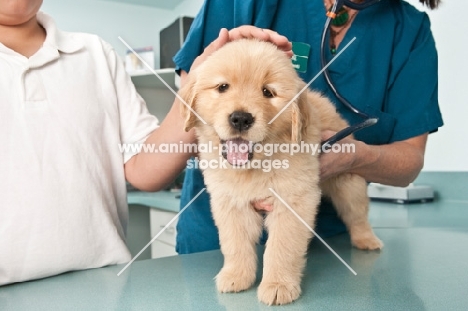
point(249, 66)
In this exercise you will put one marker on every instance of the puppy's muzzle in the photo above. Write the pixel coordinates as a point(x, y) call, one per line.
point(240, 120)
point(237, 151)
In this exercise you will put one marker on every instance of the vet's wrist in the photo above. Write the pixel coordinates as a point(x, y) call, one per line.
point(365, 157)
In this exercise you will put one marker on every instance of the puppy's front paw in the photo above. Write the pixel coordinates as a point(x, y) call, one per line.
point(278, 293)
point(367, 242)
point(229, 280)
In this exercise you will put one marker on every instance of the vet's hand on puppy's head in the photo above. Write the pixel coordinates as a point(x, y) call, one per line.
point(222, 39)
point(245, 32)
point(252, 32)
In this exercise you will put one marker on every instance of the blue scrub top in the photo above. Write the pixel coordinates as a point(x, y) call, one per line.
point(389, 71)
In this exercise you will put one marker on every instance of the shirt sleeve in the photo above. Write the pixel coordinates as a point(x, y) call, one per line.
point(217, 14)
point(193, 44)
point(413, 89)
point(136, 123)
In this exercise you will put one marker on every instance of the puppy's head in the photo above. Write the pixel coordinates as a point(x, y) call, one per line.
point(247, 93)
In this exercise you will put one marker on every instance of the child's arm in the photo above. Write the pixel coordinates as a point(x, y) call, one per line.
point(153, 171)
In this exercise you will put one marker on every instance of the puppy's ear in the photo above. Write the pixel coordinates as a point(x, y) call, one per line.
point(299, 117)
point(188, 95)
point(295, 123)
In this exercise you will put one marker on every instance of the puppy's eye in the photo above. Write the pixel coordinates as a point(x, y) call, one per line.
point(267, 93)
point(223, 87)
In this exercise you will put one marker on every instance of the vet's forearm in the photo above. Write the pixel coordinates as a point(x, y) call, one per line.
point(152, 171)
point(396, 164)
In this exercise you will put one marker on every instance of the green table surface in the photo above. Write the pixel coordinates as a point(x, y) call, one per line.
point(164, 200)
point(423, 266)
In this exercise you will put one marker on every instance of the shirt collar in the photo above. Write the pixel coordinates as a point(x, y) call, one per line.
point(56, 42)
point(55, 38)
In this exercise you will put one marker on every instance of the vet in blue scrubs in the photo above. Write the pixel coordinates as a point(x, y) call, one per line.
point(389, 71)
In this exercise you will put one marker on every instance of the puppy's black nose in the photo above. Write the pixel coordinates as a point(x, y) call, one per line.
point(240, 120)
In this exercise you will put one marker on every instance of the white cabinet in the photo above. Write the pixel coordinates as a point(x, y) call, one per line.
point(164, 245)
point(163, 208)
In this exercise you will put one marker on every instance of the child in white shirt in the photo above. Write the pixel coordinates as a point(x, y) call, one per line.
point(66, 103)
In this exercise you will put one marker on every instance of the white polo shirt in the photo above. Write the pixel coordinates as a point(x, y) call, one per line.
point(63, 113)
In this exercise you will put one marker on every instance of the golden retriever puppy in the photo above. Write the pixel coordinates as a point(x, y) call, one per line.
point(233, 96)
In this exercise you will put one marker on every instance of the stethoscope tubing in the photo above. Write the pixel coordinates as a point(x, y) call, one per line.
point(369, 120)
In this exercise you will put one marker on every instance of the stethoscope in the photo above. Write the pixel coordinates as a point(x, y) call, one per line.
point(369, 120)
